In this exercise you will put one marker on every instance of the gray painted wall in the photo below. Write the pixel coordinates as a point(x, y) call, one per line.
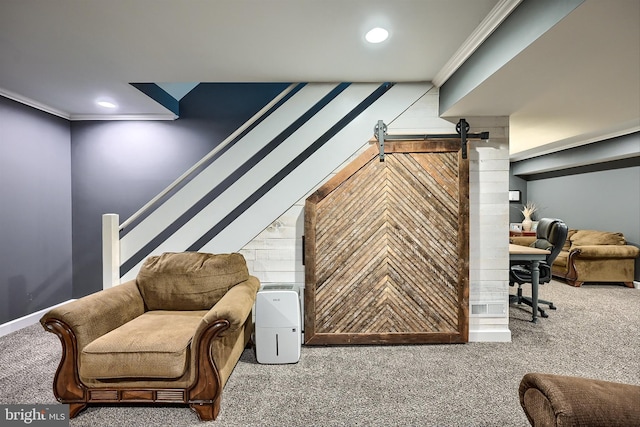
point(606, 200)
point(117, 168)
point(35, 210)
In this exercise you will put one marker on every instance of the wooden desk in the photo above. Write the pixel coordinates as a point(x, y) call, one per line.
point(533, 255)
point(521, 233)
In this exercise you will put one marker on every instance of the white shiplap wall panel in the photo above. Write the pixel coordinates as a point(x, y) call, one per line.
point(282, 238)
point(489, 220)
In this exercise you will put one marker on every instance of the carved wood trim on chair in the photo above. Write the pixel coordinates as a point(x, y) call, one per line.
point(205, 394)
point(67, 387)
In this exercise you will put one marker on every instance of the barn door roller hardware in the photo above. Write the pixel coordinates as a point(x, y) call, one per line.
point(462, 129)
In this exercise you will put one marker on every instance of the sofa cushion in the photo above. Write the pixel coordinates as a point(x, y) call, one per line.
point(189, 280)
point(153, 345)
point(593, 237)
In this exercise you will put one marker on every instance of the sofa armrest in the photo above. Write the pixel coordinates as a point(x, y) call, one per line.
point(550, 400)
point(94, 315)
point(234, 307)
point(605, 251)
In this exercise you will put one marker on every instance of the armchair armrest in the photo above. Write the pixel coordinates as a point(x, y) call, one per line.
point(216, 345)
point(234, 307)
point(573, 401)
point(77, 324)
point(605, 251)
point(94, 315)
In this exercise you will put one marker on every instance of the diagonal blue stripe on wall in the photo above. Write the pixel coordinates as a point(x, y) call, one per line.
point(317, 167)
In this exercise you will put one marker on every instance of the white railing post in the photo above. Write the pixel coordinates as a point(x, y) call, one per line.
point(110, 250)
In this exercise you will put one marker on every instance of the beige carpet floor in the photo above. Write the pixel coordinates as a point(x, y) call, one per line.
point(593, 333)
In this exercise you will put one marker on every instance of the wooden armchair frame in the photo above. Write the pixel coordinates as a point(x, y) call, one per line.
point(203, 397)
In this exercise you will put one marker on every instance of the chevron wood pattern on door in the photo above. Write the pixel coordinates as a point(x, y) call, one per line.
point(384, 242)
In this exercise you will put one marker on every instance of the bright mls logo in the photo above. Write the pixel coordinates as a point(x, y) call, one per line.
point(34, 415)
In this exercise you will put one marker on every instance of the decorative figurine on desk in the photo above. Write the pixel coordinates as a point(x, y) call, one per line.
point(528, 210)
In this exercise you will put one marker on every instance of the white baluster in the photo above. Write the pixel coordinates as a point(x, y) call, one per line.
point(110, 250)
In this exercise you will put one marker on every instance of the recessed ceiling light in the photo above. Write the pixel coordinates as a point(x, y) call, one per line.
point(106, 104)
point(377, 35)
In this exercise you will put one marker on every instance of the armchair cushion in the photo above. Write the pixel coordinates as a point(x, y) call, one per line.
point(153, 345)
point(188, 280)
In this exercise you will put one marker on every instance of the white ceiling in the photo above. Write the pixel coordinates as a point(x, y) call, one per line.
point(577, 83)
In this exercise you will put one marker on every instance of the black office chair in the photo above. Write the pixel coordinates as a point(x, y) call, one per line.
point(550, 235)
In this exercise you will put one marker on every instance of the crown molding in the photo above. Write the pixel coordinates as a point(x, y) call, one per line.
point(34, 104)
point(114, 117)
point(488, 25)
point(577, 141)
point(80, 117)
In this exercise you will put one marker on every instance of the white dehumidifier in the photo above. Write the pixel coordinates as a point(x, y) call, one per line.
point(278, 337)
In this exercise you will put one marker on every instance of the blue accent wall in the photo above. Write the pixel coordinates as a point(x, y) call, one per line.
point(35, 210)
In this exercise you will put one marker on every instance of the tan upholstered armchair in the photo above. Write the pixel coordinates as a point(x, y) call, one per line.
point(172, 335)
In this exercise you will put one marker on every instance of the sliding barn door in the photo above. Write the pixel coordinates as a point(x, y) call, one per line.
point(386, 248)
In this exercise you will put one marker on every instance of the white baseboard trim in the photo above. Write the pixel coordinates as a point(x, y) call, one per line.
point(490, 336)
point(24, 321)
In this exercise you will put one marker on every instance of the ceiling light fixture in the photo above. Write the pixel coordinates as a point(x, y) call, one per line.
point(377, 35)
point(106, 104)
